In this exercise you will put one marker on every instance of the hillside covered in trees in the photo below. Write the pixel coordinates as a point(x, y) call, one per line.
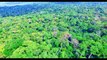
point(54, 30)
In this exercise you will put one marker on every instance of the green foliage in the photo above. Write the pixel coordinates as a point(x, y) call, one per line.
point(47, 34)
point(25, 50)
point(12, 45)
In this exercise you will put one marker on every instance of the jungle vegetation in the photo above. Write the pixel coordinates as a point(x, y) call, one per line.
point(55, 30)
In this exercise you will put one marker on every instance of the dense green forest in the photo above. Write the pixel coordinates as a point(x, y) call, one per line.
point(54, 30)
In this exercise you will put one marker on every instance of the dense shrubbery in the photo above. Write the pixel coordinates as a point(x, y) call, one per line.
point(56, 32)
